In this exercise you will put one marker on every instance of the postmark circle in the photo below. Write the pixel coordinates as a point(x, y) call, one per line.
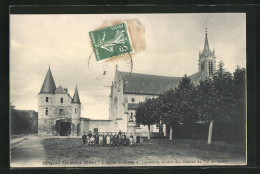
point(104, 70)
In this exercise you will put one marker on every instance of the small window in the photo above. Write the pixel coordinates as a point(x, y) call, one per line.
point(61, 100)
point(157, 125)
point(46, 111)
point(133, 100)
point(75, 110)
point(137, 125)
point(47, 99)
point(61, 111)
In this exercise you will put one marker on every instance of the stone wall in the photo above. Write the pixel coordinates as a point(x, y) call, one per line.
point(56, 110)
point(102, 125)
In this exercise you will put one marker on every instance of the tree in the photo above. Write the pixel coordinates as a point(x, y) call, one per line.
point(238, 104)
point(215, 95)
point(168, 109)
point(186, 105)
point(205, 102)
point(146, 113)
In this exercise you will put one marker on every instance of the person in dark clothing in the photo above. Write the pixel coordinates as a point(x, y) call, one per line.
point(138, 139)
point(119, 137)
point(123, 139)
point(97, 140)
point(89, 134)
point(119, 134)
point(84, 139)
point(115, 140)
point(104, 140)
point(112, 140)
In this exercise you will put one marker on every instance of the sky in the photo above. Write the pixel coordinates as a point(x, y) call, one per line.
point(173, 42)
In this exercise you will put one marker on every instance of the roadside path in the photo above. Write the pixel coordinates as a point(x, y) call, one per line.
point(27, 151)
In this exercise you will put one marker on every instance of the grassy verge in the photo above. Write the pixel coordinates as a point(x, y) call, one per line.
point(159, 149)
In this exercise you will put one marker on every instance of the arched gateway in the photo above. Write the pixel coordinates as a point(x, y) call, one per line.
point(63, 126)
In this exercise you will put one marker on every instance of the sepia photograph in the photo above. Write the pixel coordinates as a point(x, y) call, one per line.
point(126, 90)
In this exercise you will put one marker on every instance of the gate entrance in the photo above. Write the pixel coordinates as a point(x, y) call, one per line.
point(63, 127)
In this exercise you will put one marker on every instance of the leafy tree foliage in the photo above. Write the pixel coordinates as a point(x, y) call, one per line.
point(20, 121)
point(146, 113)
point(220, 98)
point(214, 96)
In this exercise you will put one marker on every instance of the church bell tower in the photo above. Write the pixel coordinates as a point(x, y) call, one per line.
point(207, 59)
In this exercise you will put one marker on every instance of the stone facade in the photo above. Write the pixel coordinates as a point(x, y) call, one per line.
point(59, 113)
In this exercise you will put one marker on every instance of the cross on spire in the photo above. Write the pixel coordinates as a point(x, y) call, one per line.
point(206, 28)
point(206, 49)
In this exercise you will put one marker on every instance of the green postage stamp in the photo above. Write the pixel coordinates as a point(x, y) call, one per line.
point(111, 41)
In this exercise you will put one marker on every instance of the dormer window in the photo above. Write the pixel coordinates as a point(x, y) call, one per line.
point(61, 100)
point(47, 99)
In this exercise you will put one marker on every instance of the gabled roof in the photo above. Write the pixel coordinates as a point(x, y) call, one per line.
point(147, 84)
point(48, 85)
point(76, 97)
point(60, 90)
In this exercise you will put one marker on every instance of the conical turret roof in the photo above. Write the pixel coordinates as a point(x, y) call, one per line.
point(76, 97)
point(48, 85)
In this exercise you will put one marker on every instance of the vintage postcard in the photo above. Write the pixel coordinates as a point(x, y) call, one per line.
point(116, 90)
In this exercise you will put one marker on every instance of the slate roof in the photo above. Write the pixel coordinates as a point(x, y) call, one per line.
point(48, 85)
point(60, 90)
point(195, 78)
point(153, 84)
point(206, 51)
point(76, 96)
point(147, 84)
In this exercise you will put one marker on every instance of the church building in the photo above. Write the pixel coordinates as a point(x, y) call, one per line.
point(60, 113)
point(128, 90)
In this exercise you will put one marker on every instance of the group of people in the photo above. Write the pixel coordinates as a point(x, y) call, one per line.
point(109, 139)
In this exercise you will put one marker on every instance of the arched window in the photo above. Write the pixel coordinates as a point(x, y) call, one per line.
point(115, 107)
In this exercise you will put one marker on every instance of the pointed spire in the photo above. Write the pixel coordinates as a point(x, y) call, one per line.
point(206, 49)
point(76, 96)
point(48, 85)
